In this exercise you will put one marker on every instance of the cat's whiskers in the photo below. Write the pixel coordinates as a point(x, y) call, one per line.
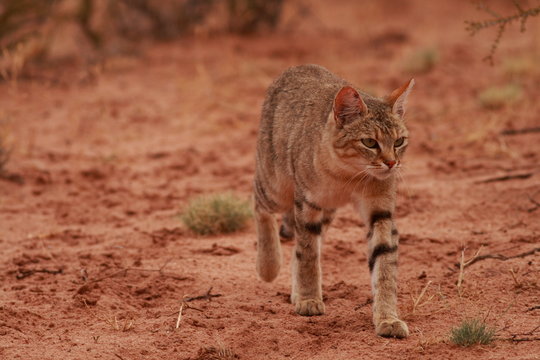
point(364, 173)
point(401, 179)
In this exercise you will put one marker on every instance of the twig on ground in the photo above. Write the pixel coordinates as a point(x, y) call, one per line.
point(365, 303)
point(21, 273)
point(208, 296)
point(520, 131)
point(462, 265)
point(514, 337)
point(416, 303)
point(505, 178)
point(498, 257)
point(537, 307)
point(179, 315)
point(185, 305)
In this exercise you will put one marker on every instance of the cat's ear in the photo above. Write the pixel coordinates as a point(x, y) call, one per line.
point(398, 98)
point(348, 104)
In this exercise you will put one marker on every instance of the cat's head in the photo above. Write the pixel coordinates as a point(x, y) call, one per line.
point(370, 134)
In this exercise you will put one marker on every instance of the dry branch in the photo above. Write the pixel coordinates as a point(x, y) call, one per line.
point(505, 178)
point(497, 257)
point(515, 338)
point(520, 131)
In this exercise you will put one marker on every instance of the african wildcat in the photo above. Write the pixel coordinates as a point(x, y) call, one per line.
point(321, 145)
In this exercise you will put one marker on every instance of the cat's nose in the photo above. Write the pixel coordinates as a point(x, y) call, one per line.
point(390, 163)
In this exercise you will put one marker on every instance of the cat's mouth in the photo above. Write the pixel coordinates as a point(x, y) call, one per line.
point(381, 172)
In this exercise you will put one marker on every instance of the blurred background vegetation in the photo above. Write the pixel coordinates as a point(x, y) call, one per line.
point(59, 30)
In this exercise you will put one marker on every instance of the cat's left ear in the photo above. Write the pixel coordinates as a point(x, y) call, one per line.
point(398, 98)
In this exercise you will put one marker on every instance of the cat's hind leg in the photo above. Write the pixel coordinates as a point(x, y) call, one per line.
point(268, 243)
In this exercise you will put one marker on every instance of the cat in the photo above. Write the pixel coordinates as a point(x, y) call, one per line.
point(323, 144)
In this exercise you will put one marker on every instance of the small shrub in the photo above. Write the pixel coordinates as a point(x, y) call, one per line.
point(421, 61)
point(497, 97)
point(216, 214)
point(471, 332)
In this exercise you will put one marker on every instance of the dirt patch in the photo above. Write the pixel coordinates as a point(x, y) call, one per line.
point(96, 263)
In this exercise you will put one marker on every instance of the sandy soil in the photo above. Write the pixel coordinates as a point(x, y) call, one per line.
point(95, 260)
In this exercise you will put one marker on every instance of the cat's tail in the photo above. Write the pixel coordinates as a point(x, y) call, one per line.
point(268, 243)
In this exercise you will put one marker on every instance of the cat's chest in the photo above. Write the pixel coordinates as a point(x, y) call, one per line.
point(332, 194)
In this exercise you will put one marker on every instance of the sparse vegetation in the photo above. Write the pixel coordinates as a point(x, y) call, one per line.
point(471, 332)
point(421, 61)
point(216, 214)
point(498, 96)
point(31, 30)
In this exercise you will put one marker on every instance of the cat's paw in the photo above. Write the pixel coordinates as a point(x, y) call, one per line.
point(392, 328)
point(309, 307)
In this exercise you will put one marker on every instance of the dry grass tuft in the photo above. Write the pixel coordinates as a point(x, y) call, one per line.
point(116, 325)
point(519, 66)
point(216, 214)
point(497, 97)
point(471, 332)
point(421, 61)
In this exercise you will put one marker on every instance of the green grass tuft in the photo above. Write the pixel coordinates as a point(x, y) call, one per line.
point(497, 97)
point(421, 61)
point(216, 214)
point(471, 332)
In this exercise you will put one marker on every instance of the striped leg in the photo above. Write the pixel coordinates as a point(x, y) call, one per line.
point(310, 224)
point(383, 241)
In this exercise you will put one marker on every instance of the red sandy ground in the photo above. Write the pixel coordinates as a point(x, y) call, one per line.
point(110, 159)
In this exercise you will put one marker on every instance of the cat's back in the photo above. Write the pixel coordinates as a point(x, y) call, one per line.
point(304, 84)
point(299, 100)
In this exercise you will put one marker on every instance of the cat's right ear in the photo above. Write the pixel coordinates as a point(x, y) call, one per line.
point(348, 105)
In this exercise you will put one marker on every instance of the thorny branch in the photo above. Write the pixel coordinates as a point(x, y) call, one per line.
point(501, 22)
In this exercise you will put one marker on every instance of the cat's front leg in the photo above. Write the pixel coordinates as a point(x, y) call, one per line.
point(310, 222)
point(383, 239)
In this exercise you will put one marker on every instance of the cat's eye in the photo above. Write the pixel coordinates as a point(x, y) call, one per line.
point(399, 142)
point(370, 143)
